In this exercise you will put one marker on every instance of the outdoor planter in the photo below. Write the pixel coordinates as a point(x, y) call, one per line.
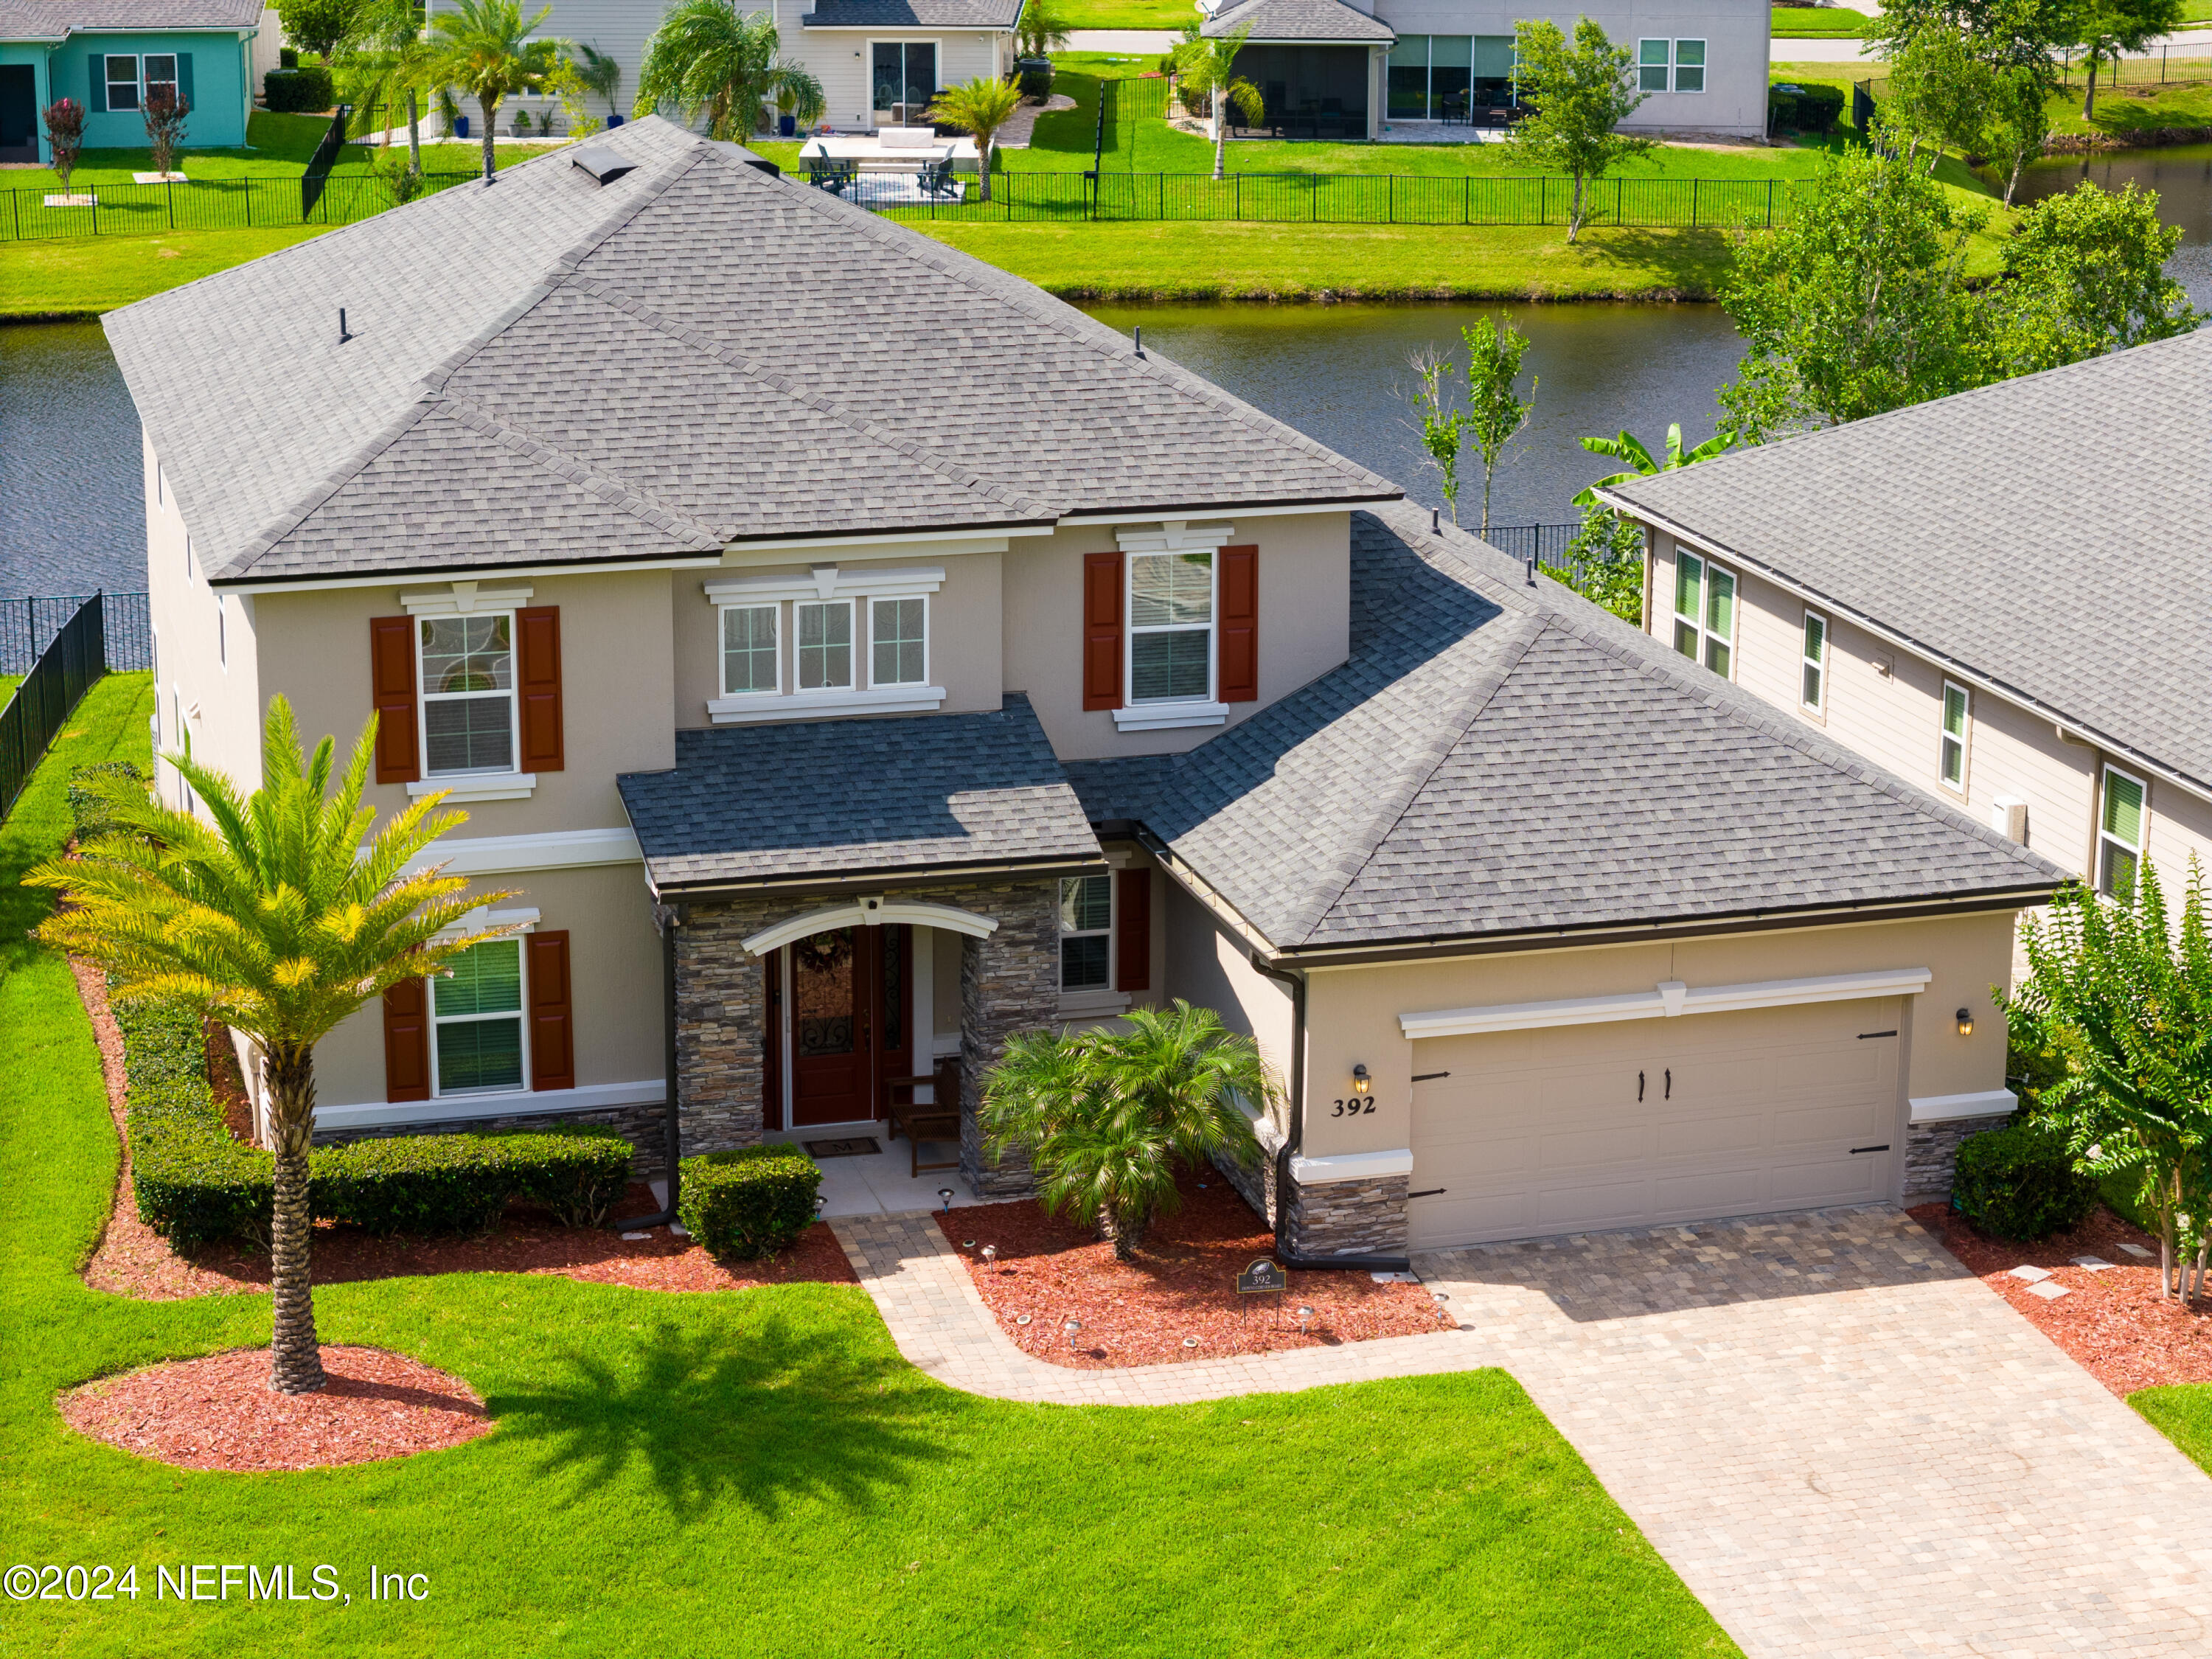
point(614, 121)
point(460, 126)
point(786, 127)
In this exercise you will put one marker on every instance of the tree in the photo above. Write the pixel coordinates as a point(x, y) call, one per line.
point(980, 106)
point(279, 917)
point(2104, 30)
point(1495, 413)
point(596, 72)
point(2085, 274)
point(1443, 420)
point(1605, 561)
point(1940, 91)
point(2017, 124)
point(1042, 29)
point(384, 53)
point(2127, 1000)
point(1207, 68)
point(2004, 33)
point(64, 123)
point(1856, 305)
point(486, 49)
point(1580, 94)
point(705, 57)
point(1106, 1116)
point(317, 26)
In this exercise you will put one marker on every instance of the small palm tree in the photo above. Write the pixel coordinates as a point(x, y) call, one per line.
point(707, 57)
point(384, 52)
point(980, 106)
point(1107, 1117)
point(280, 920)
point(486, 49)
point(1208, 70)
point(1042, 29)
point(597, 73)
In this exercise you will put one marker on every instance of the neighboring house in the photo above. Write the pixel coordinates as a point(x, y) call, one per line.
point(880, 61)
point(2010, 619)
point(109, 54)
point(841, 676)
point(1420, 67)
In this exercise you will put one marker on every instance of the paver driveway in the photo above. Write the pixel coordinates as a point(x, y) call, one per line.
point(1845, 1444)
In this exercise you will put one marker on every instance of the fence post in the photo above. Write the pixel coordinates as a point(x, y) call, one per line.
point(1693, 204)
point(169, 192)
point(1769, 203)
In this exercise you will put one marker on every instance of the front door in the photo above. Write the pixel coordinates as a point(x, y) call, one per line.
point(848, 1023)
point(19, 113)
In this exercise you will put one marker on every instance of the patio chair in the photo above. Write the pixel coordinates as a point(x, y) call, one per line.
point(827, 172)
point(936, 183)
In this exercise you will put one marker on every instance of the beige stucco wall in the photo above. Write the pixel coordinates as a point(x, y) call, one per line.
point(1210, 968)
point(1305, 607)
point(1352, 1012)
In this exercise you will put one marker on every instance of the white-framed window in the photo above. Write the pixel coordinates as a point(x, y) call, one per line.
point(823, 630)
point(1171, 606)
point(467, 667)
point(123, 81)
point(1689, 66)
point(476, 1024)
point(2119, 833)
point(1086, 934)
point(898, 641)
point(751, 663)
point(1812, 680)
point(160, 72)
point(1670, 65)
point(1705, 612)
point(901, 75)
point(1951, 753)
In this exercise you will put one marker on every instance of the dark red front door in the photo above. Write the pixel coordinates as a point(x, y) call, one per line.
point(848, 993)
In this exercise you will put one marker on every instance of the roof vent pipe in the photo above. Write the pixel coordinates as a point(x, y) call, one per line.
point(1436, 521)
point(343, 336)
point(1139, 333)
point(1532, 570)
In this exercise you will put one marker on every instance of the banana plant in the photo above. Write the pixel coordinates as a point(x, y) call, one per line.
point(1641, 465)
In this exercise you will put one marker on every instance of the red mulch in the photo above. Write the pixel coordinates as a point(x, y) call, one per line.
point(1181, 1285)
point(2113, 1321)
point(133, 1259)
point(219, 1413)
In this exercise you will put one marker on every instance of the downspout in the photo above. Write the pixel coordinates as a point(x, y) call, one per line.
point(671, 1129)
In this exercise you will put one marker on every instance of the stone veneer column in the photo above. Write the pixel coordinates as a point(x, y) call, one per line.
point(721, 1013)
point(1009, 981)
point(1365, 1217)
point(1931, 1154)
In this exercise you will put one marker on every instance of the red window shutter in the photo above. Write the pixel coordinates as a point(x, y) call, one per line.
point(537, 685)
point(1240, 624)
point(552, 1019)
point(1132, 919)
point(391, 685)
point(1101, 630)
point(407, 1040)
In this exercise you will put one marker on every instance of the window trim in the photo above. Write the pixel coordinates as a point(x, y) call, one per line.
point(1703, 44)
point(853, 649)
point(108, 82)
point(1110, 932)
point(1137, 708)
point(2104, 835)
point(722, 647)
point(875, 599)
point(521, 1016)
point(432, 778)
point(147, 82)
point(1698, 624)
point(1818, 666)
point(1964, 739)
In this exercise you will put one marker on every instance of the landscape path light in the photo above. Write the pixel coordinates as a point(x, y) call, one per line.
point(945, 1194)
point(1074, 1330)
point(990, 1254)
point(1304, 1314)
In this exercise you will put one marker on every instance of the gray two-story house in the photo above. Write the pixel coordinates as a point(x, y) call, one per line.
point(847, 656)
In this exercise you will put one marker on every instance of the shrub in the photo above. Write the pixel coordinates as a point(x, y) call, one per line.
point(287, 57)
point(307, 91)
point(411, 1184)
point(1818, 108)
point(194, 1182)
point(88, 812)
point(2019, 1183)
point(1781, 110)
point(752, 1201)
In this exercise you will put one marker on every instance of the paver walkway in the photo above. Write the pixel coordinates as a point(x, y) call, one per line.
point(1847, 1447)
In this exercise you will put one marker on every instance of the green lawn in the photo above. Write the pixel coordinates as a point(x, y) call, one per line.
point(99, 273)
point(1818, 22)
point(2182, 1412)
point(759, 1463)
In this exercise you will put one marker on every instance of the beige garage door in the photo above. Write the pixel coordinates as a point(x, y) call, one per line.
point(1652, 1121)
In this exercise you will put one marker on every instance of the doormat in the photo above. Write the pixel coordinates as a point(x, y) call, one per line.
point(864, 1146)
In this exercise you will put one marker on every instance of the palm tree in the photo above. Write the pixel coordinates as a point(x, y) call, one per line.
point(1043, 29)
point(1107, 1117)
point(383, 52)
point(597, 73)
point(280, 920)
point(486, 49)
point(1208, 70)
point(706, 57)
point(981, 107)
point(1641, 463)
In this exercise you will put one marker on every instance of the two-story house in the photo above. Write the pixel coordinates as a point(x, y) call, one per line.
point(848, 655)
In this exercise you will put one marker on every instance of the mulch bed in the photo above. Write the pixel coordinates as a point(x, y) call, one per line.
point(219, 1413)
point(1181, 1285)
point(135, 1260)
point(2112, 1321)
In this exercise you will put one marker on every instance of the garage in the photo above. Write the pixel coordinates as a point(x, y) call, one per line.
point(1639, 1122)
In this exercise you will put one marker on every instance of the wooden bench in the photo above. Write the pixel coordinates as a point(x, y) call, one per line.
point(929, 1119)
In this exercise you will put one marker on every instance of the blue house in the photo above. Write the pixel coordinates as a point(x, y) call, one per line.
point(110, 54)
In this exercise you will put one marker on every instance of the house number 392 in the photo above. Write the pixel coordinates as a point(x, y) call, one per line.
point(1353, 1108)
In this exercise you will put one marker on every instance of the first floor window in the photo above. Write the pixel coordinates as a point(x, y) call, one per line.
point(2119, 834)
point(1689, 66)
point(160, 74)
point(1812, 687)
point(1086, 921)
point(122, 83)
point(1670, 65)
point(1170, 627)
point(905, 73)
point(896, 633)
point(748, 653)
point(1951, 763)
point(468, 693)
point(1704, 613)
point(477, 1019)
point(1651, 65)
point(825, 645)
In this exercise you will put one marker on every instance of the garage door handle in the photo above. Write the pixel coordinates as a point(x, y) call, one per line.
point(1425, 1192)
point(1884, 1147)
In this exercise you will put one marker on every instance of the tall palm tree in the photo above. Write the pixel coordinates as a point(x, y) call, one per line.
point(1106, 1117)
point(486, 49)
point(706, 57)
point(384, 51)
point(280, 918)
point(1207, 68)
point(980, 106)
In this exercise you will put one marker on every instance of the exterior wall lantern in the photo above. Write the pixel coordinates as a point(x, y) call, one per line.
point(1965, 1022)
point(1361, 1083)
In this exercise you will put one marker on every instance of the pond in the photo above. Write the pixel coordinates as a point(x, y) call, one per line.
point(72, 509)
point(2181, 176)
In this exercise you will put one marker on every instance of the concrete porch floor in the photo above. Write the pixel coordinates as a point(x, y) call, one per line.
point(879, 1183)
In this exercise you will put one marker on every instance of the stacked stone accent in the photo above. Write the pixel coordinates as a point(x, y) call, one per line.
point(1365, 1217)
point(1931, 1154)
point(1255, 1181)
point(1009, 983)
point(641, 1126)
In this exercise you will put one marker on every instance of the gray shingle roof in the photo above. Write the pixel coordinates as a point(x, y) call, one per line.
point(1497, 759)
point(901, 794)
point(1300, 19)
point(51, 20)
point(2047, 533)
point(912, 14)
point(695, 353)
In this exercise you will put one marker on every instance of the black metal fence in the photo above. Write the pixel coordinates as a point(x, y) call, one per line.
point(73, 660)
point(28, 627)
point(318, 165)
point(199, 204)
point(1546, 543)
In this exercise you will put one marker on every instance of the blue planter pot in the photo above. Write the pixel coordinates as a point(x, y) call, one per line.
point(460, 126)
point(786, 126)
point(614, 121)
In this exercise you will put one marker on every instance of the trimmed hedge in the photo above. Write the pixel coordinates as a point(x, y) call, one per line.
point(2019, 1183)
point(196, 1184)
point(751, 1201)
point(306, 91)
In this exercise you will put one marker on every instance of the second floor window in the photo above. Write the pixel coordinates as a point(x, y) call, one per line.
point(748, 653)
point(1704, 613)
point(825, 645)
point(897, 637)
point(1086, 923)
point(1951, 762)
point(1170, 628)
point(1813, 686)
point(468, 693)
point(2119, 834)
